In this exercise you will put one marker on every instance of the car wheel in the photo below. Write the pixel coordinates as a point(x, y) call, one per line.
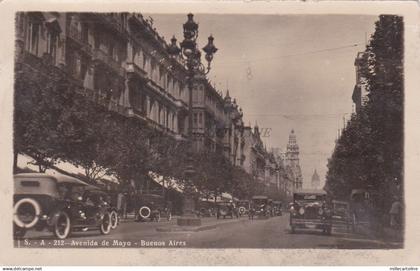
point(169, 216)
point(62, 225)
point(114, 220)
point(105, 227)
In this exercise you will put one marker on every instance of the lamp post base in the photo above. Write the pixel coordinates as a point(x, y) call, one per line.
point(188, 221)
point(189, 217)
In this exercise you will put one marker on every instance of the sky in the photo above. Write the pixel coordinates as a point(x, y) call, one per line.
point(286, 72)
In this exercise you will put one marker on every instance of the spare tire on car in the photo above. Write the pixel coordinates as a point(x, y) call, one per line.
point(144, 212)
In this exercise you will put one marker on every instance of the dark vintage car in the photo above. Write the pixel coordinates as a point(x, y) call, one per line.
point(260, 207)
point(102, 198)
point(153, 207)
point(225, 209)
point(310, 211)
point(56, 203)
point(243, 207)
point(206, 209)
point(277, 205)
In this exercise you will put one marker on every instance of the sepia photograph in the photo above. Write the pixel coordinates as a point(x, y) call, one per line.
point(208, 131)
point(217, 133)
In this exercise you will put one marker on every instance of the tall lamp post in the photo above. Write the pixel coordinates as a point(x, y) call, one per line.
point(191, 56)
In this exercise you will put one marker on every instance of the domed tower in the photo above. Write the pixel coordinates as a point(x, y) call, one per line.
point(292, 160)
point(315, 182)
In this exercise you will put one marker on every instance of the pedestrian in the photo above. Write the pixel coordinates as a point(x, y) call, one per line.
point(120, 201)
point(395, 214)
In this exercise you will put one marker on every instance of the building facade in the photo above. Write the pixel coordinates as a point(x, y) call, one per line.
point(359, 95)
point(285, 183)
point(117, 59)
point(120, 61)
point(292, 162)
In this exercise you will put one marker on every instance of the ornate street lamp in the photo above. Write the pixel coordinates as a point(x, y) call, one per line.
point(191, 56)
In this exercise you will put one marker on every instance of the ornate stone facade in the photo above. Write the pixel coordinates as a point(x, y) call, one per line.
point(292, 162)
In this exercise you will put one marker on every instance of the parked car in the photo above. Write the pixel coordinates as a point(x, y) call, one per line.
point(56, 203)
point(260, 207)
point(310, 211)
point(277, 205)
point(243, 207)
point(153, 207)
point(225, 209)
point(103, 198)
point(206, 209)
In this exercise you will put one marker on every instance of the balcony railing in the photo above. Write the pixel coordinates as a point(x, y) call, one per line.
point(131, 67)
point(76, 36)
point(103, 99)
point(99, 55)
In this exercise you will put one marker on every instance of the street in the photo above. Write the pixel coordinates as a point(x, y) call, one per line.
point(224, 233)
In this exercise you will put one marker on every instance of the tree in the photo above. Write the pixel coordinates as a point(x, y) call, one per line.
point(369, 152)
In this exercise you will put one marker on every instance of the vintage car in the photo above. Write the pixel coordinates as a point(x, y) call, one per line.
point(277, 205)
point(102, 198)
point(310, 211)
point(55, 202)
point(226, 208)
point(260, 207)
point(153, 207)
point(243, 207)
point(206, 209)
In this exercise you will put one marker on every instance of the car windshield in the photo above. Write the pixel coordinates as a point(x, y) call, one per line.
point(260, 201)
point(309, 197)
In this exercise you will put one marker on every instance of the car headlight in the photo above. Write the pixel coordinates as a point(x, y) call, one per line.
point(301, 211)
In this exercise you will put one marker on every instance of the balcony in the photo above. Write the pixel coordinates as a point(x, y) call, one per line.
point(76, 36)
point(112, 23)
point(131, 67)
point(100, 56)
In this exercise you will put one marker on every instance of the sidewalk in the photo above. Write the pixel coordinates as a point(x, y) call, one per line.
point(387, 235)
point(207, 223)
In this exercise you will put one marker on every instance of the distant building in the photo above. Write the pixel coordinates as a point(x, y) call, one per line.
point(315, 182)
point(255, 153)
point(284, 183)
point(359, 96)
point(292, 162)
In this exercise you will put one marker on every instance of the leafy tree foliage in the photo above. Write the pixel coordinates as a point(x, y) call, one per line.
point(369, 154)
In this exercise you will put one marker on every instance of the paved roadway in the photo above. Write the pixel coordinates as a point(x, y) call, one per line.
point(229, 233)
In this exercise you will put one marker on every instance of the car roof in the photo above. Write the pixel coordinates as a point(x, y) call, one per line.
point(59, 178)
